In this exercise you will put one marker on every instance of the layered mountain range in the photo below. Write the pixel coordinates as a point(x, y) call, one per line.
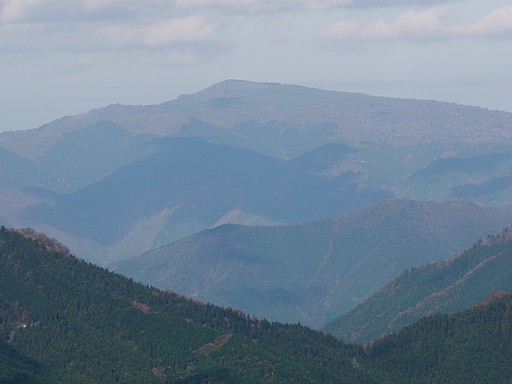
point(313, 272)
point(342, 192)
point(117, 181)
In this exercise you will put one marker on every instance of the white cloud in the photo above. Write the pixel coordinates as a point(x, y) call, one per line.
point(92, 5)
point(254, 6)
point(163, 33)
point(32, 26)
point(188, 29)
point(495, 23)
point(410, 24)
point(213, 25)
point(30, 10)
point(325, 4)
point(432, 23)
point(272, 5)
point(397, 3)
point(14, 10)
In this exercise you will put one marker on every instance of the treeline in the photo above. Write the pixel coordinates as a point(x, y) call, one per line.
point(87, 324)
point(65, 320)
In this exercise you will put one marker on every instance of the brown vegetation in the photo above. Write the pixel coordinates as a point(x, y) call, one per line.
point(141, 307)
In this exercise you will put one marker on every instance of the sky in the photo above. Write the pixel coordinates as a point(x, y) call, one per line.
point(64, 57)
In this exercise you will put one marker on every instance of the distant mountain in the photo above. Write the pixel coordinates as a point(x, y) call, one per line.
point(483, 178)
point(446, 286)
point(313, 272)
point(187, 185)
point(246, 153)
point(64, 320)
point(286, 120)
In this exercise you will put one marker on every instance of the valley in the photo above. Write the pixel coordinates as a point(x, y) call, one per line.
point(117, 181)
point(317, 271)
point(250, 231)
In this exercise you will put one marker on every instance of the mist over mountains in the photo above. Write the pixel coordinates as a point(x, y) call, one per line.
point(313, 272)
point(192, 184)
point(118, 181)
point(287, 202)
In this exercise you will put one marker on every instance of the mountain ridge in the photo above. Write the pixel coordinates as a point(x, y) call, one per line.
point(317, 269)
point(462, 281)
point(66, 320)
point(166, 118)
point(336, 151)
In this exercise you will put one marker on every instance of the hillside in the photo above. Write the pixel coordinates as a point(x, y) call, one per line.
point(313, 272)
point(269, 153)
point(446, 286)
point(472, 347)
point(64, 320)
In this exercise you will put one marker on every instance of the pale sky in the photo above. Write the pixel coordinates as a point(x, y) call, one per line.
point(63, 57)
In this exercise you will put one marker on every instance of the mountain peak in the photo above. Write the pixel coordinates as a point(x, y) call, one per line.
point(244, 88)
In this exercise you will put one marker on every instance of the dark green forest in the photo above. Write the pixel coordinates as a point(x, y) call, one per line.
point(65, 320)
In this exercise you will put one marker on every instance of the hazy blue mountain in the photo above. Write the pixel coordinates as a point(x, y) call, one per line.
point(446, 286)
point(332, 152)
point(194, 184)
point(483, 178)
point(493, 186)
point(121, 180)
point(316, 271)
point(16, 170)
point(90, 154)
point(482, 163)
point(287, 120)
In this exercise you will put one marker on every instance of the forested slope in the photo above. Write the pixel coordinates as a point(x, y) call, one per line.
point(63, 320)
point(314, 272)
point(447, 286)
point(470, 347)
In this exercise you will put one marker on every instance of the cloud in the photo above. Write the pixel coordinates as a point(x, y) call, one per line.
point(430, 24)
point(190, 28)
point(193, 26)
point(254, 6)
point(273, 6)
point(496, 23)
point(397, 3)
point(410, 25)
point(31, 26)
point(13, 10)
point(30, 10)
point(190, 31)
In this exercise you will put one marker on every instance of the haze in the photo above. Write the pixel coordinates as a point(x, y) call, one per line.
point(65, 57)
